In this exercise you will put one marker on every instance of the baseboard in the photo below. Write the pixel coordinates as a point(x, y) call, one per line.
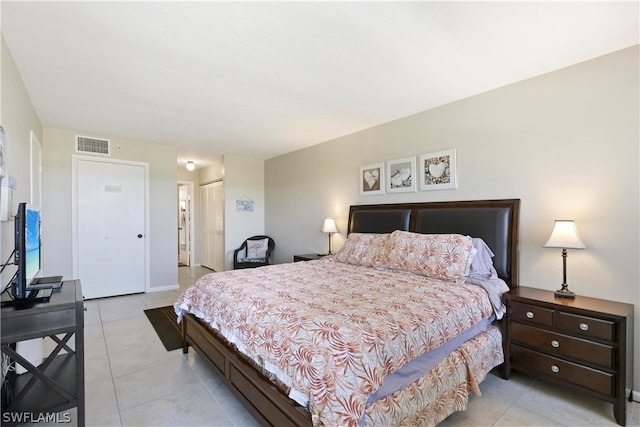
point(635, 395)
point(164, 288)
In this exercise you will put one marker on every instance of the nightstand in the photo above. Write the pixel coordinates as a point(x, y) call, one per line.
point(584, 344)
point(307, 257)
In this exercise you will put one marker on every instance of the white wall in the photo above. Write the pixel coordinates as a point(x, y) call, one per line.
point(243, 178)
point(565, 143)
point(58, 147)
point(19, 118)
point(213, 172)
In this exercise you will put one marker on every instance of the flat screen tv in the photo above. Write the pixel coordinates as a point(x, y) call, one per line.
point(27, 255)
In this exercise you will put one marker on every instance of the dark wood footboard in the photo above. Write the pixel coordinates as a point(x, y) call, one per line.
point(266, 402)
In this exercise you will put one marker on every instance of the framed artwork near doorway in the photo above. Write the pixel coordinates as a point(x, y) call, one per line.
point(35, 165)
point(3, 138)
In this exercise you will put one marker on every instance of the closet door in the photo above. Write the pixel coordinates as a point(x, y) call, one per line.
point(218, 228)
point(206, 192)
point(212, 221)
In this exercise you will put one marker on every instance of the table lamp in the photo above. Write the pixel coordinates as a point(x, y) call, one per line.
point(565, 236)
point(329, 227)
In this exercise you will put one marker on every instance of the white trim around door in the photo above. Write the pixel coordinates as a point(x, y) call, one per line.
point(74, 210)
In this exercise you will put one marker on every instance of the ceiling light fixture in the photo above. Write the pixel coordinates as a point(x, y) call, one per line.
point(190, 166)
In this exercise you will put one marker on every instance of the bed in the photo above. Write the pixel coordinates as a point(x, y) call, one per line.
point(383, 319)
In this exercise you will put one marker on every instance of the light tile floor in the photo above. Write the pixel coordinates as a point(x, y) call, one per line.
point(131, 380)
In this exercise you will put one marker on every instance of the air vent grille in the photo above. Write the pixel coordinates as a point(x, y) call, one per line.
point(86, 144)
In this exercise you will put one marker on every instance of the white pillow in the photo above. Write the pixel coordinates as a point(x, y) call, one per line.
point(257, 249)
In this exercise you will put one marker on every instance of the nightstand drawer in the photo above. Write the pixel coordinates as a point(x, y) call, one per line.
point(531, 314)
point(587, 326)
point(563, 345)
point(551, 367)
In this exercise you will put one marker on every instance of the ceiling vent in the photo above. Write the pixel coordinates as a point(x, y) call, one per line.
point(87, 144)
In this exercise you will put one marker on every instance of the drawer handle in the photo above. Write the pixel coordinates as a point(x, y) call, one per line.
point(530, 314)
point(555, 344)
point(584, 327)
point(555, 369)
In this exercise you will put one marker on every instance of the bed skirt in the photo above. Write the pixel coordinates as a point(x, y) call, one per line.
point(426, 402)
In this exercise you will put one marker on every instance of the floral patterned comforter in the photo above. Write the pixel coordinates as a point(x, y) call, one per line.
point(333, 331)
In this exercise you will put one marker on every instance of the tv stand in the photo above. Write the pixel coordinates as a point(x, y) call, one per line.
point(43, 393)
point(35, 296)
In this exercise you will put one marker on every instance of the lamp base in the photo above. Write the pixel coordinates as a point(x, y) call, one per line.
point(565, 293)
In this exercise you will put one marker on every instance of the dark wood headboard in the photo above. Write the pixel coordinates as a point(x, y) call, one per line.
point(494, 221)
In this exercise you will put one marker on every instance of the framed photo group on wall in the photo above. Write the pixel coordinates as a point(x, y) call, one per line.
point(435, 171)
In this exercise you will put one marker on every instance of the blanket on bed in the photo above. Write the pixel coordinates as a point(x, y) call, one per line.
point(333, 331)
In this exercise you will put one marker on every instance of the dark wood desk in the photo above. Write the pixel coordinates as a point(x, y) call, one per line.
point(43, 392)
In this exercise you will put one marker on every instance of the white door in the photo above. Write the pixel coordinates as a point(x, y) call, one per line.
point(111, 228)
point(212, 221)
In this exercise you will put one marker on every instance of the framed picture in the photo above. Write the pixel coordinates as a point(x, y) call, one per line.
point(401, 175)
point(438, 170)
point(36, 170)
point(244, 204)
point(372, 179)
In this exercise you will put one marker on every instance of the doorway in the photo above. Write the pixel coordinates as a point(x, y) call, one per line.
point(110, 217)
point(185, 224)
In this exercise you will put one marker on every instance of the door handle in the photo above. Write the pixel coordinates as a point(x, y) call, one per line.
point(139, 236)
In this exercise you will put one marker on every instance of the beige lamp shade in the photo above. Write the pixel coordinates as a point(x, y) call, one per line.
point(329, 226)
point(564, 235)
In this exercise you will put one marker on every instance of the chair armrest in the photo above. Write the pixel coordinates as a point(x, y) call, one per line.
point(242, 247)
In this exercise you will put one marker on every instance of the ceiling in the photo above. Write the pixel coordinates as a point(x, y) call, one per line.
point(260, 79)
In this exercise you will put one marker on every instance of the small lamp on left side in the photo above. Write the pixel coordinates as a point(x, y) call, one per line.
point(190, 166)
point(329, 227)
